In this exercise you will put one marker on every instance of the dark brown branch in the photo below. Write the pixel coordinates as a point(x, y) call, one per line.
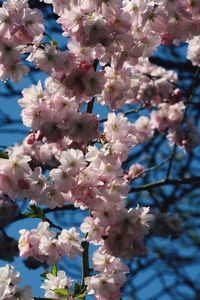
point(163, 182)
point(85, 262)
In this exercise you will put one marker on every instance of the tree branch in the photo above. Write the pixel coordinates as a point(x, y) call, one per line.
point(163, 182)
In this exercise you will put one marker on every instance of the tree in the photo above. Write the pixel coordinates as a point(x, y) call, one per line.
point(132, 168)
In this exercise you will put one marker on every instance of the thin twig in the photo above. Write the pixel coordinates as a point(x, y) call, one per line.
point(132, 111)
point(163, 182)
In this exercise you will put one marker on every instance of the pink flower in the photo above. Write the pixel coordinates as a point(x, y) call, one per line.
point(52, 197)
point(14, 71)
point(48, 59)
point(103, 286)
point(72, 161)
point(193, 53)
point(135, 171)
point(51, 282)
point(24, 246)
point(6, 22)
point(93, 230)
point(142, 129)
point(33, 22)
point(62, 179)
point(50, 249)
point(70, 243)
point(117, 127)
point(104, 262)
point(105, 212)
point(84, 128)
point(29, 241)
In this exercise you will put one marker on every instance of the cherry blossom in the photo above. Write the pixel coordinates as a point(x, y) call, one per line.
point(194, 51)
point(9, 288)
point(73, 156)
point(52, 282)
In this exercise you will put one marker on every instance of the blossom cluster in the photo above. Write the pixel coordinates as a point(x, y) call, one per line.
point(48, 246)
point(19, 26)
point(106, 62)
point(125, 30)
point(111, 277)
point(9, 289)
point(56, 281)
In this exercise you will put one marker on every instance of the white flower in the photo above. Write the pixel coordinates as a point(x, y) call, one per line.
point(73, 160)
point(70, 242)
point(55, 282)
point(9, 289)
point(194, 50)
point(24, 294)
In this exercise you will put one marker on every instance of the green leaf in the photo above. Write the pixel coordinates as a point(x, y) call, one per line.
point(54, 270)
point(44, 275)
point(35, 212)
point(3, 155)
point(76, 288)
point(31, 214)
point(81, 296)
point(61, 292)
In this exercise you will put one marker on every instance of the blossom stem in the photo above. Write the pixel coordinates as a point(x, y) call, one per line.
point(85, 262)
point(171, 161)
point(90, 106)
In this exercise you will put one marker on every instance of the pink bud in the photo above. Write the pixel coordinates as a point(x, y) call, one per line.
point(31, 138)
point(24, 184)
point(166, 40)
point(85, 66)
